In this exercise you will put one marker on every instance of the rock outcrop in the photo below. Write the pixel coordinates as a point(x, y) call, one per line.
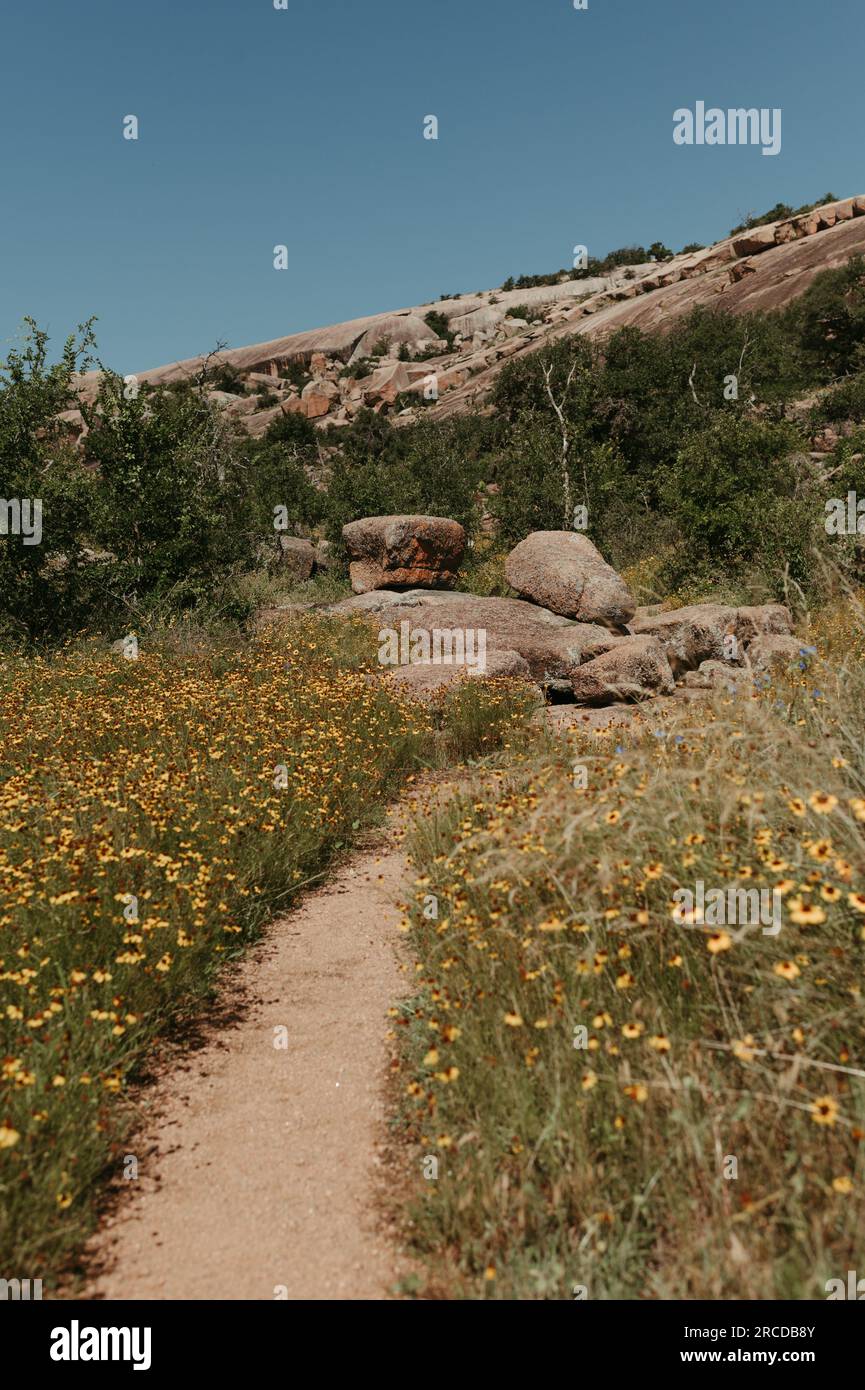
point(704, 646)
point(710, 631)
point(390, 552)
point(425, 682)
point(632, 670)
point(297, 556)
point(774, 652)
point(563, 571)
point(759, 268)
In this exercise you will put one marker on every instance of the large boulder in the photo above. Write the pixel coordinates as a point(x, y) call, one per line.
point(703, 631)
point(775, 652)
point(424, 681)
point(403, 552)
point(551, 644)
point(563, 571)
point(764, 618)
point(632, 670)
point(692, 634)
point(297, 557)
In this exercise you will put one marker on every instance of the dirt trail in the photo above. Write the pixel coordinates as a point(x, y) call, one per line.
point(259, 1167)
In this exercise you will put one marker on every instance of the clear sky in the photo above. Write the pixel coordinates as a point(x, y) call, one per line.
point(304, 126)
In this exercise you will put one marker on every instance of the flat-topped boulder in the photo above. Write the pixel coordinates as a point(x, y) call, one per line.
point(409, 552)
point(564, 572)
point(425, 681)
point(551, 644)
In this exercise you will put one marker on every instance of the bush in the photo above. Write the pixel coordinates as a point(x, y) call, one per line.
point(846, 401)
point(525, 311)
point(49, 588)
point(829, 321)
point(172, 498)
point(430, 468)
point(280, 465)
point(739, 495)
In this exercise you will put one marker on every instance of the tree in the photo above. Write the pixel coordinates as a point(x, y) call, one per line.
point(46, 578)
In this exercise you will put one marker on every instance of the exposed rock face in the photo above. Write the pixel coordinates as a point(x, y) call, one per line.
point(424, 682)
point(774, 652)
point(403, 551)
point(766, 618)
point(690, 635)
point(298, 557)
point(550, 644)
point(395, 330)
point(717, 675)
point(711, 645)
point(563, 571)
point(632, 670)
point(319, 397)
point(759, 268)
point(703, 631)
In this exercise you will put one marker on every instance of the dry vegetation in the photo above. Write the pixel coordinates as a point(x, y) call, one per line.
point(602, 1159)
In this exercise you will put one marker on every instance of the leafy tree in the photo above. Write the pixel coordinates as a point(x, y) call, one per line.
point(46, 588)
point(739, 496)
point(829, 320)
point(172, 496)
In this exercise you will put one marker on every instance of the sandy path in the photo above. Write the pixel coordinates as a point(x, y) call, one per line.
point(257, 1172)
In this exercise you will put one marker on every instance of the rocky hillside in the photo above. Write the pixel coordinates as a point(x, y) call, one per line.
point(444, 357)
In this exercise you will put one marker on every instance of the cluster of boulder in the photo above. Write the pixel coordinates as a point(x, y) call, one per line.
point(575, 628)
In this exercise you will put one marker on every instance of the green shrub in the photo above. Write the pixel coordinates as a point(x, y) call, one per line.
point(739, 494)
point(829, 321)
point(846, 401)
point(430, 468)
point(49, 588)
point(171, 497)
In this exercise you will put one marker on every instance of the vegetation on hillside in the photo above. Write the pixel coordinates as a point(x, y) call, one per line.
point(689, 444)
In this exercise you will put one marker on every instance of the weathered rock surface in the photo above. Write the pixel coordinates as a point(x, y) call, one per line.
point(425, 681)
point(563, 571)
point(703, 631)
point(690, 635)
point(759, 268)
point(717, 675)
point(403, 551)
point(550, 644)
point(632, 670)
point(774, 652)
point(765, 618)
point(297, 557)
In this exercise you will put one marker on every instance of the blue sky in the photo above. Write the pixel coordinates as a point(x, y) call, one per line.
point(304, 127)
